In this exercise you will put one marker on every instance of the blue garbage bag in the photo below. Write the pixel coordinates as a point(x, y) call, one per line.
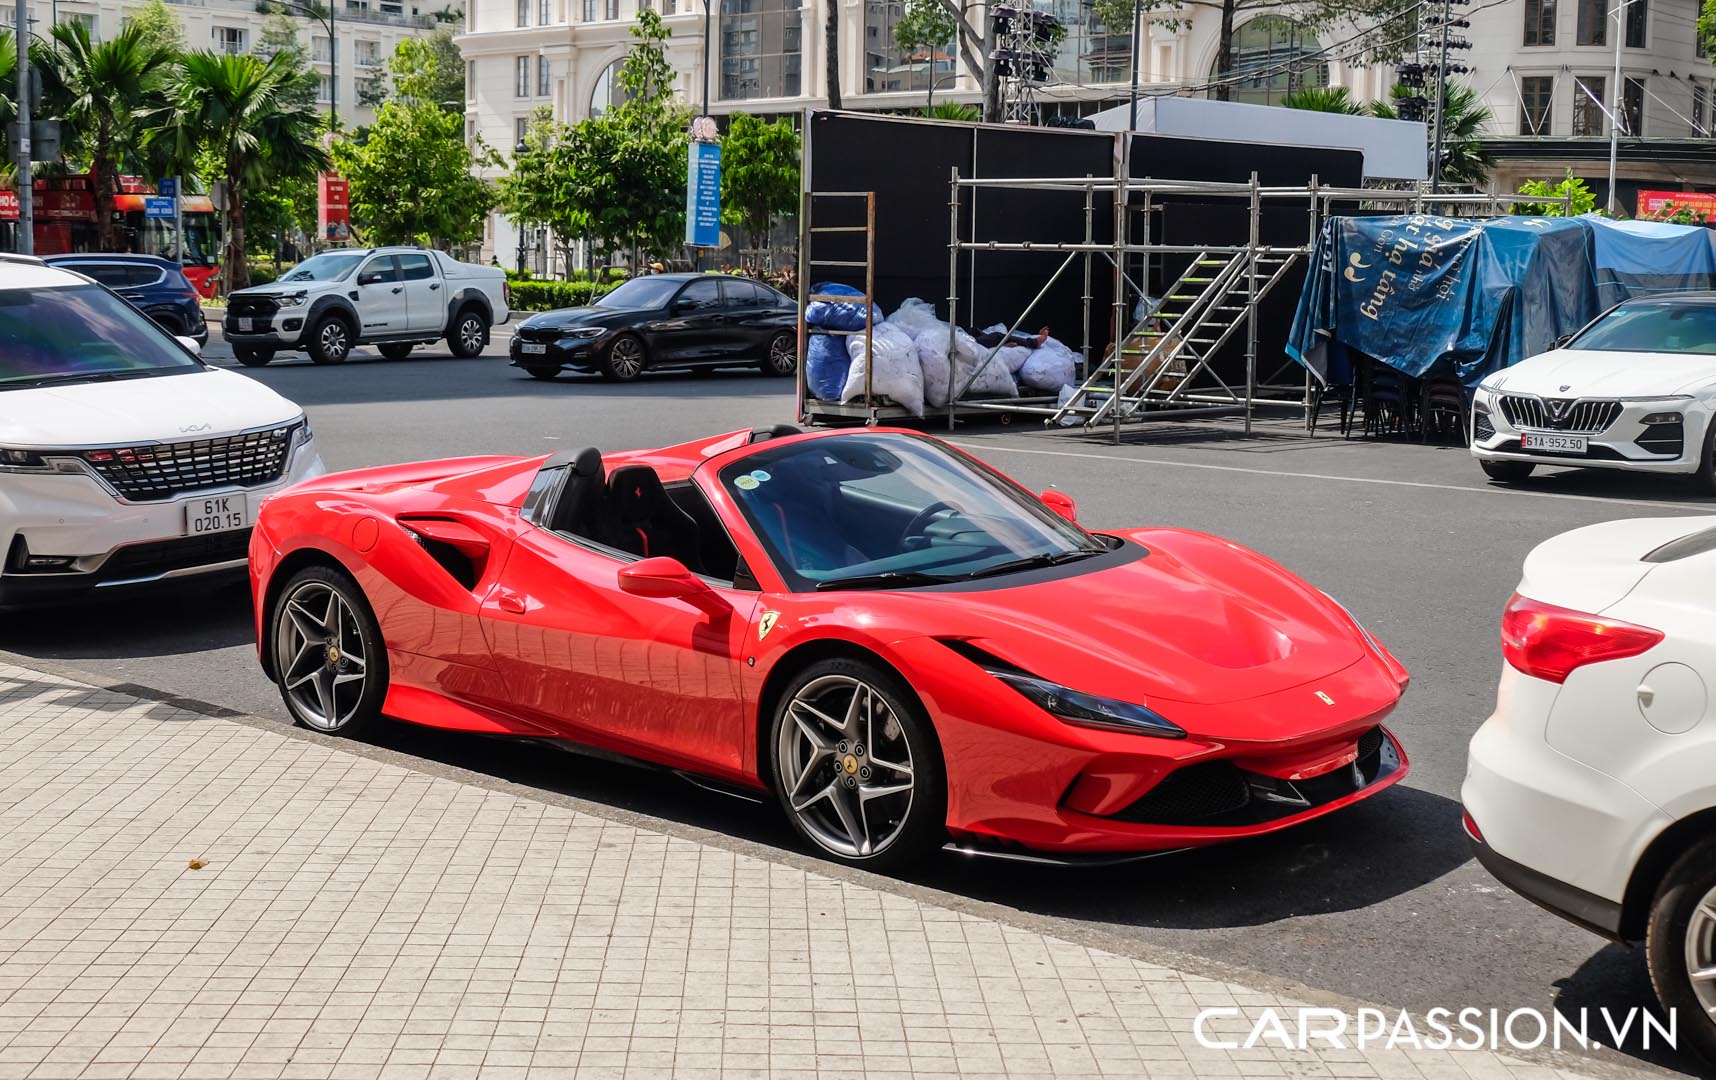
point(826, 366)
point(828, 315)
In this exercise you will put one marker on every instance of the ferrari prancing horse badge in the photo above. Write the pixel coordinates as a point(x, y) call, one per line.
point(766, 623)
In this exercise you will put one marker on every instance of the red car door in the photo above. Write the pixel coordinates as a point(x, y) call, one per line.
point(647, 677)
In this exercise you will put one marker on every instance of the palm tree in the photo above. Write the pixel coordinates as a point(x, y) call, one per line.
point(831, 45)
point(239, 108)
point(102, 91)
point(1465, 157)
point(1329, 99)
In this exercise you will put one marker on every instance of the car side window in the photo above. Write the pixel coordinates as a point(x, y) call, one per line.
point(740, 293)
point(378, 270)
point(700, 296)
point(416, 267)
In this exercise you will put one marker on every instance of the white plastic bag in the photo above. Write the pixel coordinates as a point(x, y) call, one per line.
point(1065, 397)
point(992, 378)
point(916, 316)
point(1050, 366)
point(937, 369)
point(898, 374)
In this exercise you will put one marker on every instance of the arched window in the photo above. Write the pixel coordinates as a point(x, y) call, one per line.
point(1272, 57)
point(762, 49)
point(608, 92)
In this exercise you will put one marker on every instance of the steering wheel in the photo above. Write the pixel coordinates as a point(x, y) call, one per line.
point(920, 520)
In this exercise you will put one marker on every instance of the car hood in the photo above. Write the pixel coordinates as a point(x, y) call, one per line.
point(1575, 373)
point(567, 318)
point(1197, 619)
point(163, 408)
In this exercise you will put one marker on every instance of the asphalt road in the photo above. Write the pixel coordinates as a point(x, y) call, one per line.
point(1380, 903)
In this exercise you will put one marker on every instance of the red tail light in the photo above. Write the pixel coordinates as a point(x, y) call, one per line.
point(1549, 642)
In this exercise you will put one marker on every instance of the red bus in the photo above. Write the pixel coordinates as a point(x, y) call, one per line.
point(65, 224)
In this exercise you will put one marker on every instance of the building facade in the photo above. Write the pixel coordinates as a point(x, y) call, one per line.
point(367, 31)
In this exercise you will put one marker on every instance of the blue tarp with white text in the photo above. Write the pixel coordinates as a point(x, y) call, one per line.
point(1450, 298)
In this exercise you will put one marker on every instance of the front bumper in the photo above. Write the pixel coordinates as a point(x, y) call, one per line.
point(113, 543)
point(1626, 442)
point(1559, 832)
point(583, 354)
point(282, 329)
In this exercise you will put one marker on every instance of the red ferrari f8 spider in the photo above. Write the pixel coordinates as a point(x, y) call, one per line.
point(900, 643)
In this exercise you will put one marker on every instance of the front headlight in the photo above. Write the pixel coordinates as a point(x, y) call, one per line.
point(1087, 710)
point(584, 332)
point(296, 299)
point(23, 461)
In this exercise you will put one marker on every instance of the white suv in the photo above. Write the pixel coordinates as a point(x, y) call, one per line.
point(1592, 788)
point(124, 459)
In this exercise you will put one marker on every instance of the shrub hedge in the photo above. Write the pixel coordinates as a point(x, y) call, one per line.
point(548, 295)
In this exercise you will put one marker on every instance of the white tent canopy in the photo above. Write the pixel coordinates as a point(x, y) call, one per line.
point(1392, 149)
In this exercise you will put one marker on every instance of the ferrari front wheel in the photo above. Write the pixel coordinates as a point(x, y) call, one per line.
point(329, 662)
point(857, 767)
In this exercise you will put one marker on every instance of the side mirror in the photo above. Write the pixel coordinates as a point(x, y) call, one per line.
point(371, 278)
point(1563, 341)
point(662, 578)
point(190, 344)
point(1061, 503)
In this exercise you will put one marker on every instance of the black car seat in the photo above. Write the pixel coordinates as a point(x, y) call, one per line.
point(644, 520)
point(578, 510)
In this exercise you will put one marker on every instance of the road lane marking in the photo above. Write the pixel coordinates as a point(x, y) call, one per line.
point(1706, 508)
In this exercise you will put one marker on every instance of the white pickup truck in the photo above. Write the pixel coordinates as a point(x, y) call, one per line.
point(391, 297)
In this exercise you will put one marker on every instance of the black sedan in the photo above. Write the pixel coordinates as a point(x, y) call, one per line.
point(664, 322)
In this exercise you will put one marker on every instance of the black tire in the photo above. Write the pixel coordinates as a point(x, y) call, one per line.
point(1507, 472)
point(253, 355)
point(330, 340)
point(544, 373)
point(914, 826)
point(625, 359)
point(1705, 477)
point(1689, 882)
point(468, 334)
point(781, 357)
point(396, 350)
point(348, 649)
point(170, 323)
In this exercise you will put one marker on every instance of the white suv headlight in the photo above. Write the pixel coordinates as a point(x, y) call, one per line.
point(23, 461)
point(296, 299)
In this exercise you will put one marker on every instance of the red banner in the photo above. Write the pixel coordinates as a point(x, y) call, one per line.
point(333, 208)
point(1702, 202)
point(8, 206)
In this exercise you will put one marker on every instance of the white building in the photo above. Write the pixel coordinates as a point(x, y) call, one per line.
point(367, 30)
point(1528, 61)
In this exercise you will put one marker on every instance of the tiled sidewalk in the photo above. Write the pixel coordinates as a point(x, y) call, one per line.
point(354, 918)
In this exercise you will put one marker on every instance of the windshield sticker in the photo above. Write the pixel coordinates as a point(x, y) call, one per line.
point(745, 483)
point(760, 476)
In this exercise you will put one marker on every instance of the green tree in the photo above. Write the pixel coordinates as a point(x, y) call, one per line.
point(1465, 157)
point(1329, 99)
point(411, 177)
point(429, 69)
point(925, 26)
point(279, 35)
point(622, 173)
point(1580, 198)
point(953, 110)
point(156, 22)
point(100, 92)
point(238, 109)
point(759, 174)
point(530, 190)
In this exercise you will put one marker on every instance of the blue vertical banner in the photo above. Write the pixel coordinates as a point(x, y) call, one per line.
point(703, 195)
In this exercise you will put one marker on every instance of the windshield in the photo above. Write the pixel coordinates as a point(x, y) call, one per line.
point(641, 293)
point(1653, 326)
point(328, 266)
point(81, 333)
point(888, 510)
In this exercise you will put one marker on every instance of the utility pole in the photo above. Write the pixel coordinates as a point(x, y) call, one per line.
point(26, 187)
point(1441, 101)
point(1137, 50)
point(1615, 102)
point(708, 48)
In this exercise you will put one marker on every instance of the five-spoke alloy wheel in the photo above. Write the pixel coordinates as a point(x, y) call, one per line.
point(857, 767)
point(328, 658)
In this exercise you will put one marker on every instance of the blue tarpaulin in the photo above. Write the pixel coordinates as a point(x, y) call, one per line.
point(1450, 298)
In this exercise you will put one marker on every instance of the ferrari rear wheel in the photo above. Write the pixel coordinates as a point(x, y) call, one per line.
point(328, 658)
point(857, 766)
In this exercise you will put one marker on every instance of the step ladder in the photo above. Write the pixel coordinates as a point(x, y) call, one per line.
point(1176, 343)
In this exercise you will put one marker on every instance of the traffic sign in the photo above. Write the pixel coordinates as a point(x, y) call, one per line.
point(159, 206)
point(168, 186)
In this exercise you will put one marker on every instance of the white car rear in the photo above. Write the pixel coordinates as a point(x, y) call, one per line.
point(1592, 788)
point(124, 459)
point(1634, 390)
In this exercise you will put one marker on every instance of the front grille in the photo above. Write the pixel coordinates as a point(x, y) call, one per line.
point(1221, 794)
point(161, 556)
point(1481, 427)
point(1667, 439)
point(161, 471)
point(250, 306)
point(1191, 795)
point(1560, 414)
point(538, 333)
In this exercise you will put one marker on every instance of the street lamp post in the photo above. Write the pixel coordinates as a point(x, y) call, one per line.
point(1137, 46)
point(936, 80)
point(518, 152)
point(708, 48)
point(1615, 97)
point(327, 17)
